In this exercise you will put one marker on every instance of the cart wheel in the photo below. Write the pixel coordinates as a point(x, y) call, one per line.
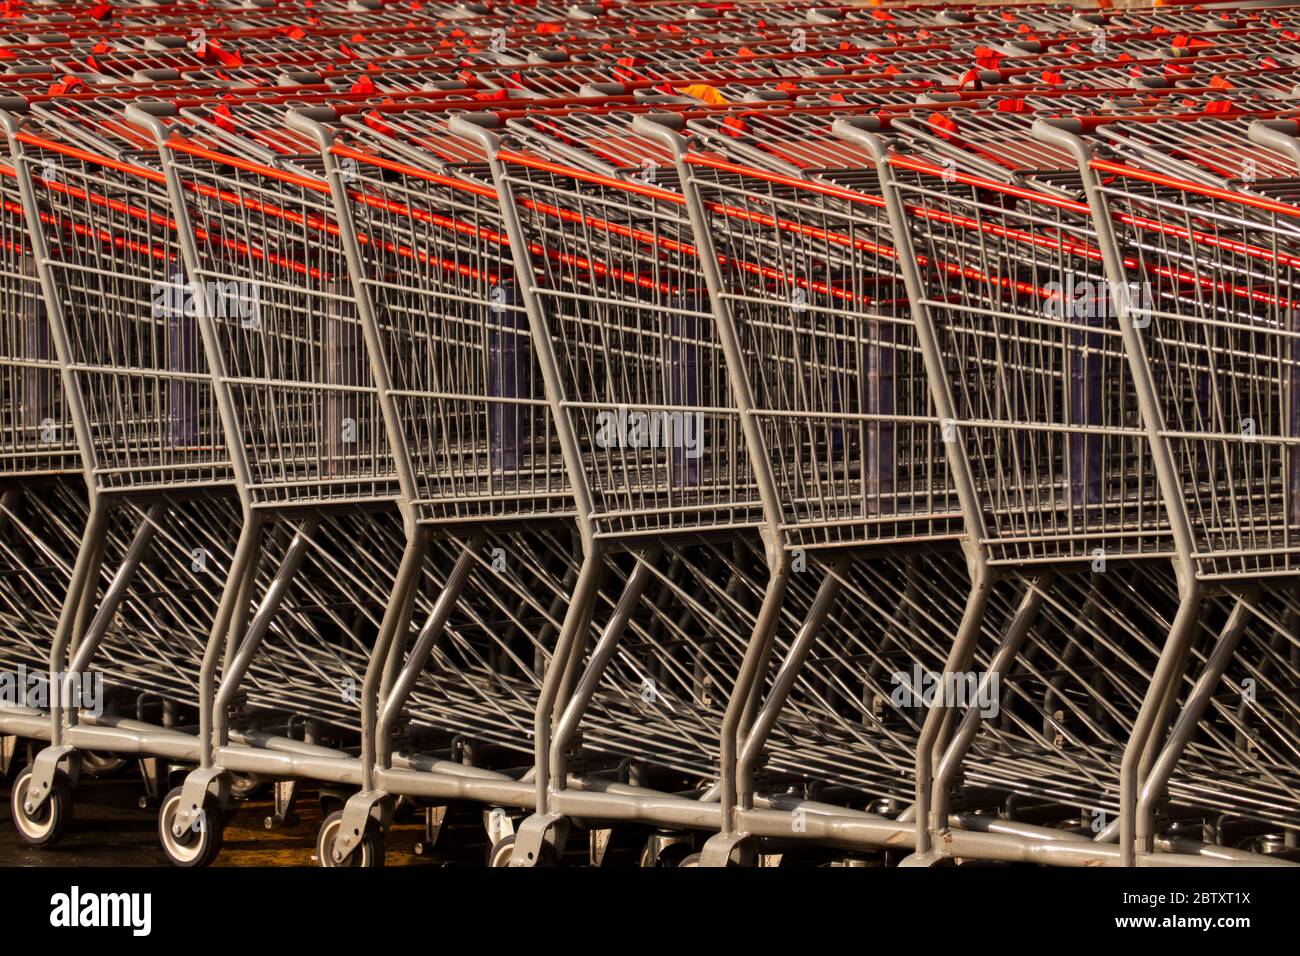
point(245, 786)
point(669, 857)
point(691, 862)
point(201, 842)
point(503, 851)
point(370, 853)
point(97, 763)
point(499, 853)
point(8, 774)
point(47, 825)
point(404, 808)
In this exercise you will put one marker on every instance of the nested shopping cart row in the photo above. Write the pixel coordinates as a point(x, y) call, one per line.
point(615, 388)
point(136, 211)
point(1081, 485)
point(958, 225)
point(245, 203)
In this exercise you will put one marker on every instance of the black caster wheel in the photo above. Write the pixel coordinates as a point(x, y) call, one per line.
point(11, 763)
point(499, 853)
point(48, 824)
point(198, 844)
point(669, 857)
point(403, 809)
point(97, 764)
point(245, 786)
point(370, 852)
point(503, 851)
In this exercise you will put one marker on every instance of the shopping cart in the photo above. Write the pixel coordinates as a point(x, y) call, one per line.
point(134, 399)
point(846, 472)
point(1210, 342)
point(619, 310)
point(40, 467)
point(452, 330)
point(39, 453)
point(294, 391)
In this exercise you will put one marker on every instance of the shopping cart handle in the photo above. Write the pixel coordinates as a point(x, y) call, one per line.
point(662, 128)
point(153, 108)
point(857, 124)
point(151, 116)
point(151, 76)
point(477, 127)
point(664, 99)
point(1071, 125)
point(300, 78)
point(825, 15)
point(1066, 132)
point(1287, 127)
point(938, 96)
point(602, 89)
point(916, 76)
point(310, 121)
point(863, 131)
point(1018, 47)
point(317, 114)
point(480, 120)
point(649, 122)
point(1278, 134)
point(166, 42)
point(13, 104)
point(10, 125)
